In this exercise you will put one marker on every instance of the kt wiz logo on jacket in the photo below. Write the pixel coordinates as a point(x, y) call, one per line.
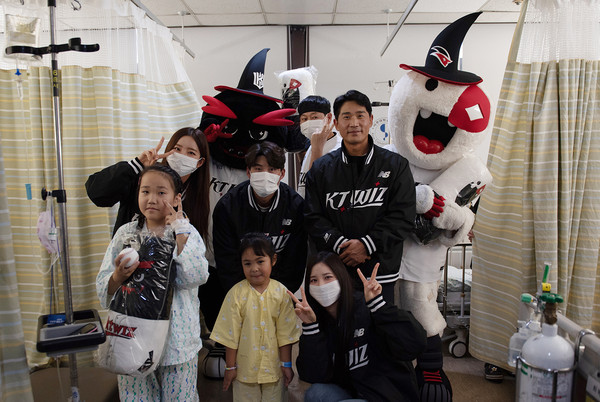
point(371, 197)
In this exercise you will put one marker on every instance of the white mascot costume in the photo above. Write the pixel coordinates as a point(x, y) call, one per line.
point(437, 117)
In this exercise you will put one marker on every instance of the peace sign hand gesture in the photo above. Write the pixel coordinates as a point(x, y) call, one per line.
point(173, 215)
point(372, 287)
point(303, 309)
point(150, 156)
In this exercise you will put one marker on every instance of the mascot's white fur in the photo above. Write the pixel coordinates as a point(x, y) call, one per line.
point(437, 118)
point(454, 171)
point(297, 84)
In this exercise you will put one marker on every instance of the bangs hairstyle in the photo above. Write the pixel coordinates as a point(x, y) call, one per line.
point(333, 261)
point(170, 174)
point(352, 96)
point(260, 243)
point(274, 154)
point(195, 191)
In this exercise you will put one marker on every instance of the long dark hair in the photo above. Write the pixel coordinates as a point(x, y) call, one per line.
point(169, 173)
point(196, 203)
point(344, 322)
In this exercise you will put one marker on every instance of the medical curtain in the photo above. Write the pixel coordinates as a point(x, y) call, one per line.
point(115, 103)
point(544, 203)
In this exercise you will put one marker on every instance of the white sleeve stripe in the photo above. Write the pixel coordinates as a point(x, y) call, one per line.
point(378, 306)
point(310, 326)
point(375, 300)
point(372, 242)
point(137, 168)
point(339, 241)
point(367, 244)
point(310, 332)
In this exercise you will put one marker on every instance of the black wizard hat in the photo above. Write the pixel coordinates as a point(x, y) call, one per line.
point(251, 81)
point(442, 58)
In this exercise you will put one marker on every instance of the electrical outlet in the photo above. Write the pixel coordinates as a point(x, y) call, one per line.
point(593, 389)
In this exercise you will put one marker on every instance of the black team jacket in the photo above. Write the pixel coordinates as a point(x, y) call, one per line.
point(374, 203)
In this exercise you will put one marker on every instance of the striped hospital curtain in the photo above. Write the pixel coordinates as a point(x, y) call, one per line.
point(107, 116)
point(544, 203)
point(14, 373)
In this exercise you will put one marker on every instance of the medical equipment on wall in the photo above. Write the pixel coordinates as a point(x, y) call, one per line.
point(73, 331)
point(547, 361)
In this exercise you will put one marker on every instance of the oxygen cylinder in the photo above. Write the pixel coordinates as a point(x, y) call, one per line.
point(547, 363)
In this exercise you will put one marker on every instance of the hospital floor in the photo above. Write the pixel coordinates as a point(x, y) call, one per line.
point(95, 385)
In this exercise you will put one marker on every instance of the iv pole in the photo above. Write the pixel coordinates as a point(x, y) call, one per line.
point(60, 193)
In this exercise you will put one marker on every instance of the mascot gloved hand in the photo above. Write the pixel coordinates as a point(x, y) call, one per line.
point(437, 117)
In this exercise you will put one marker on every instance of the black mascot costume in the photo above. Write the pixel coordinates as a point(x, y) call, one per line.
point(232, 121)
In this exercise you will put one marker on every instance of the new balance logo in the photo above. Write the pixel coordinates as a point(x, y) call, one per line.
point(384, 174)
point(286, 222)
point(359, 332)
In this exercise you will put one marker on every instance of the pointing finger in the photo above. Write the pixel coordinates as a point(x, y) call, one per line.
point(294, 298)
point(361, 276)
point(374, 273)
point(304, 301)
point(161, 156)
point(170, 207)
point(159, 146)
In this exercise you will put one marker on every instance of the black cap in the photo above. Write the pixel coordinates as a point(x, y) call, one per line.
point(251, 81)
point(442, 58)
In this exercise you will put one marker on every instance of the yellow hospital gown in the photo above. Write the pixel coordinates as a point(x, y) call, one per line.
point(257, 325)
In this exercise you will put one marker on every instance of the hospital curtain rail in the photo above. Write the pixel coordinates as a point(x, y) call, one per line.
point(544, 202)
point(115, 103)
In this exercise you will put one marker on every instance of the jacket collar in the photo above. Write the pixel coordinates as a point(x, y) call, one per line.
point(369, 153)
point(254, 204)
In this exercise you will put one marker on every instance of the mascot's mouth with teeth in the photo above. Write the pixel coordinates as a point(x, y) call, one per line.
point(432, 132)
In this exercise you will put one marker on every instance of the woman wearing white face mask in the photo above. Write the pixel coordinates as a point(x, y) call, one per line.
point(354, 344)
point(186, 153)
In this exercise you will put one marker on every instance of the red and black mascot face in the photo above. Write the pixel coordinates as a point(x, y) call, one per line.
point(237, 118)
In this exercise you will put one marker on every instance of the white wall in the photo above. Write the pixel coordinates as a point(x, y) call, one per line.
point(223, 52)
point(347, 57)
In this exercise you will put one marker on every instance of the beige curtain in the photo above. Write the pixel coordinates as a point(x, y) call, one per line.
point(544, 203)
point(114, 104)
point(14, 373)
point(107, 116)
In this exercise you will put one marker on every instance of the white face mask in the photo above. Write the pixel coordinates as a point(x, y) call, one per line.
point(310, 127)
point(264, 183)
point(182, 164)
point(326, 294)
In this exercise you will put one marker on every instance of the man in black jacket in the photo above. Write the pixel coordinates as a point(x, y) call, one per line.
point(262, 204)
point(360, 199)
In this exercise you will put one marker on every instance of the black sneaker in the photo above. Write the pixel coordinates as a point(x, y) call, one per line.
point(493, 373)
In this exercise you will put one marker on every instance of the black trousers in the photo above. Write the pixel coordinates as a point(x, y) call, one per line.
point(211, 296)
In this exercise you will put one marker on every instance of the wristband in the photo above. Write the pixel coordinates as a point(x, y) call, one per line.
point(286, 364)
point(230, 368)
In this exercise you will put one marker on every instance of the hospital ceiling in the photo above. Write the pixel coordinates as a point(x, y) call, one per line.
point(191, 13)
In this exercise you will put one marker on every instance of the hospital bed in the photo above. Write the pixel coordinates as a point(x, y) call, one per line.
point(454, 296)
